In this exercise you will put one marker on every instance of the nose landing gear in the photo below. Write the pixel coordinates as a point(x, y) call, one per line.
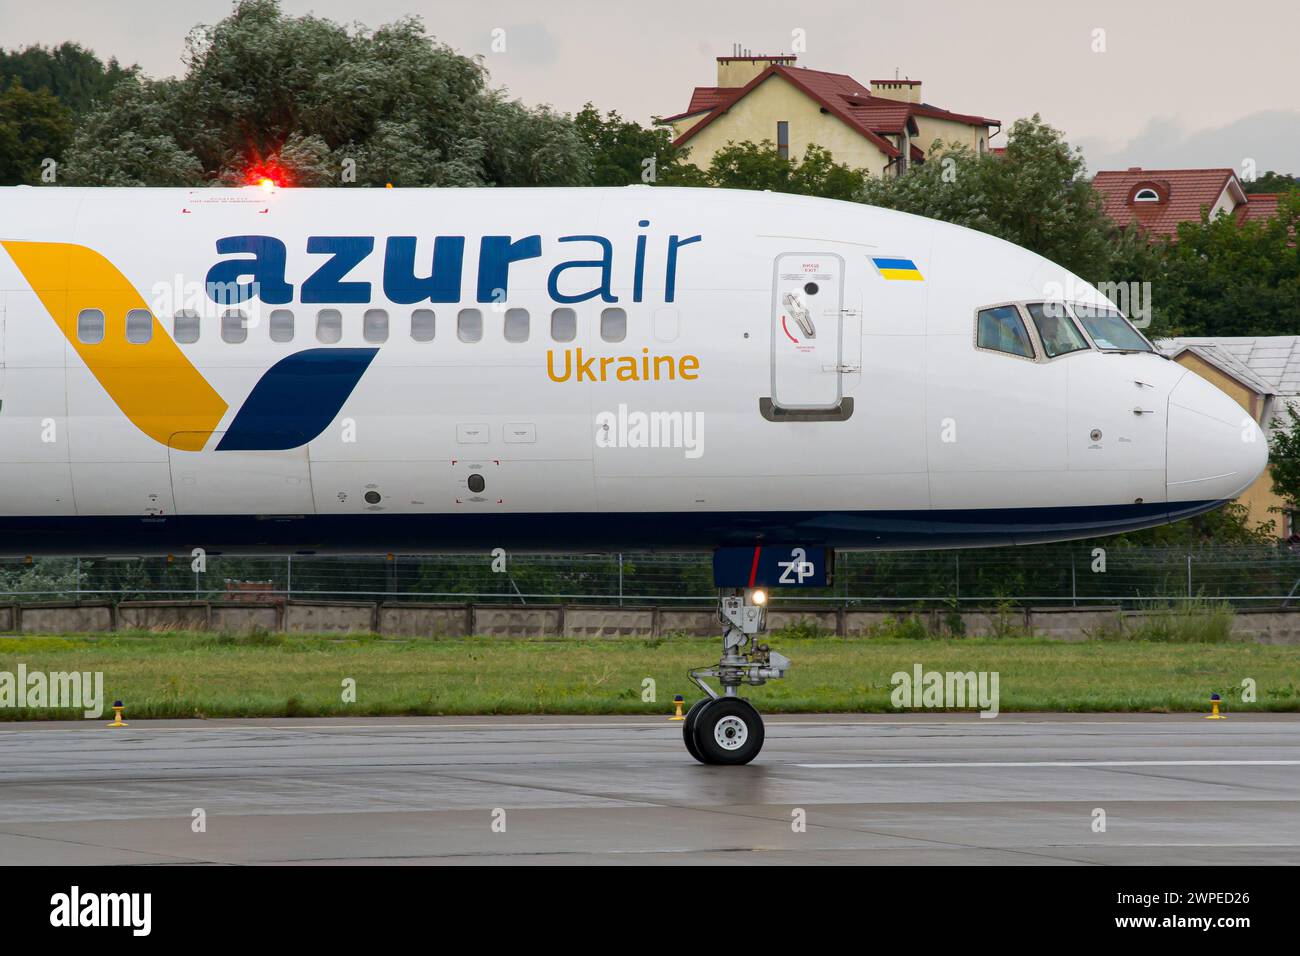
point(725, 728)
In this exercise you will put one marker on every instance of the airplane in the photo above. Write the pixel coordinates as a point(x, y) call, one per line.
point(410, 370)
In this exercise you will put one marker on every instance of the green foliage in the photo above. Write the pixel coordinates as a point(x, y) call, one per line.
point(1034, 195)
point(72, 74)
point(1227, 526)
point(1284, 457)
point(803, 629)
point(34, 126)
point(1270, 182)
point(750, 165)
point(1226, 278)
point(1192, 622)
point(303, 96)
point(621, 151)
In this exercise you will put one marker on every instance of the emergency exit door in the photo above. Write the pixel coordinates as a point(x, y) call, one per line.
point(808, 331)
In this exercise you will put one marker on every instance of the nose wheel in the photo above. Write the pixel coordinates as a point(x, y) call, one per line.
point(726, 729)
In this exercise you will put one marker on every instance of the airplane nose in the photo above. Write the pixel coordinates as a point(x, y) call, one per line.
point(1214, 448)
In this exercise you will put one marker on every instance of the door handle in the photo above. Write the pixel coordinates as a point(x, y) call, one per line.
point(1144, 411)
point(799, 312)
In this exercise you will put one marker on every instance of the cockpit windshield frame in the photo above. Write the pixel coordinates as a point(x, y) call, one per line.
point(1094, 335)
point(1070, 339)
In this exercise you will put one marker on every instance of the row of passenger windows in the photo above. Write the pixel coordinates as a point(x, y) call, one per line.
point(1002, 329)
point(329, 325)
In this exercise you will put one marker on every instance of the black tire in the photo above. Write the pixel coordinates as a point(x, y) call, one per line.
point(688, 728)
point(728, 732)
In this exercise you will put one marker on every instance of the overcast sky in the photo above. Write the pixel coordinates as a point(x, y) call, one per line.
point(1180, 83)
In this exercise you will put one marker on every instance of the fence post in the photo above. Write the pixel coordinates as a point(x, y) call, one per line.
point(78, 580)
point(1074, 581)
point(956, 579)
point(288, 576)
point(620, 579)
point(1189, 576)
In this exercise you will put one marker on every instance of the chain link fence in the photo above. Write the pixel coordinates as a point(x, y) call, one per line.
point(1049, 575)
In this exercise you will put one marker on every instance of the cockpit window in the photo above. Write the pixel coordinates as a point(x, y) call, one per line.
point(1109, 329)
point(1056, 329)
point(1002, 330)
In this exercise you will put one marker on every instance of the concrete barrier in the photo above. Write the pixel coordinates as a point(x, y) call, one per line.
point(597, 621)
point(824, 621)
point(163, 615)
point(66, 618)
point(241, 617)
point(860, 623)
point(1268, 626)
point(689, 622)
point(426, 620)
point(517, 620)
point(1265, 625)
point(330, 617)
point(1074, 624)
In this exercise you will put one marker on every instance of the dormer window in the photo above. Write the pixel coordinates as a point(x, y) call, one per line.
point(1148, 191)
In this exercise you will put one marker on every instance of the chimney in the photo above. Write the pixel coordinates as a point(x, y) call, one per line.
point(739, 69)
point(906, 91)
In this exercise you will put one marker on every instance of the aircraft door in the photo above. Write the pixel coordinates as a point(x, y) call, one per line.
point(808, 332)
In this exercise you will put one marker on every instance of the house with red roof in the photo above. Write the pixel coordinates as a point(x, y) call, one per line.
point(883, 128)
point(1157, 200)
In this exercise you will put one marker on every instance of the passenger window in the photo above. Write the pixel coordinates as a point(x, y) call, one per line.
point(329, 326)
point(1056, 330)
point(185, 327)
point(422, 325)
point(516, 325)
point(564, 325)
point(139, 326)
point(90, 326)
point(234, 326)
point(469, 325)
point(281, 325)
point(613, 325)
point(374, 325)
point(1002, 330)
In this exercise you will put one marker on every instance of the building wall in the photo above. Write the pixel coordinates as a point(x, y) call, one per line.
point(1259, 497)
point(929, 129)
point(754, 118)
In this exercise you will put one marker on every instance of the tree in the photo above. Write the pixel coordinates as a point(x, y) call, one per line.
point(1270, 182)
point(72, 74)
point(1228, 278)
point(311, 103)
point(624, 153)
point(1034, 194)
point(1284, 458)
point(751, 165)
point(34, 127)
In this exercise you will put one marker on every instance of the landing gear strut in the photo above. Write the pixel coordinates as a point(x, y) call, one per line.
point(725, 728)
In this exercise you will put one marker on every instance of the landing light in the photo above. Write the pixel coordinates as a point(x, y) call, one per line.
point(758, 596)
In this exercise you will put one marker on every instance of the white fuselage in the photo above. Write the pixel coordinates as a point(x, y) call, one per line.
point(647, 366)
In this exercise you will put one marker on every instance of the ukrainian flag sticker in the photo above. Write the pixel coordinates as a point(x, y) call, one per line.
point(897, 269)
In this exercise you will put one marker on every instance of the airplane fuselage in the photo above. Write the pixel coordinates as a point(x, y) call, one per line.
point(414, 370)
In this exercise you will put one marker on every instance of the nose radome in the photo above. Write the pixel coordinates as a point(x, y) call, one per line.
point(1214, 448)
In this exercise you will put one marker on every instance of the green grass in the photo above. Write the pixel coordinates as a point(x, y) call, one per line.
point(195, 674)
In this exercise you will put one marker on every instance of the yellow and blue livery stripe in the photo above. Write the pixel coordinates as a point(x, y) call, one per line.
point(897, 268)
